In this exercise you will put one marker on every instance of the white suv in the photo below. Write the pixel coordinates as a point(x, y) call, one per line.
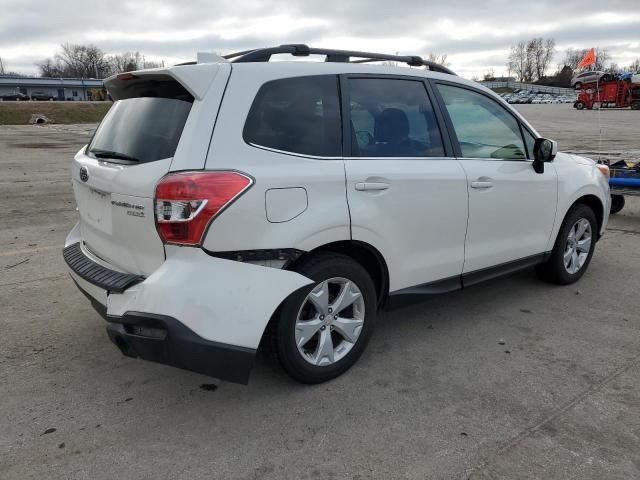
point(228, 204)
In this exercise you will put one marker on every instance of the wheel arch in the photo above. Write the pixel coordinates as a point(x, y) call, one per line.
point(366, 255)
point(593, 202)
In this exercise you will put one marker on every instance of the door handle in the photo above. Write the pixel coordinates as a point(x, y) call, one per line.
point(362, 186)
point(480, 184)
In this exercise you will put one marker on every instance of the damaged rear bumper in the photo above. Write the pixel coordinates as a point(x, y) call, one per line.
point(195, 312)
point(165, 340)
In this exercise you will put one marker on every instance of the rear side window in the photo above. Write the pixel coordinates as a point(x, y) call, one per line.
point(392, 118)
point(298, 115)
point(140, 130)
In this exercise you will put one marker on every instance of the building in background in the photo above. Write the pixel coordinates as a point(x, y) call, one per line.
point(79, 89)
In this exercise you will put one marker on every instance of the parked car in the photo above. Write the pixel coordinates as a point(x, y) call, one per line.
point(284, 204)
point(14, 97)
point(580, 79)
point(42, 96)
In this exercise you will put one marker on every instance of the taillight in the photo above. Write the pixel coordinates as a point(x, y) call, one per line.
point(186, 202)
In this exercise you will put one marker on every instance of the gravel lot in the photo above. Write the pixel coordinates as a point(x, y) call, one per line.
point(435, 396)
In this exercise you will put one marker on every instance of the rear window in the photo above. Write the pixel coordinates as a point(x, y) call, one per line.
point(140, 130)
point(298, 115)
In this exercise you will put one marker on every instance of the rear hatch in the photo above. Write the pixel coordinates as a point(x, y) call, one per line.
point(115, 175)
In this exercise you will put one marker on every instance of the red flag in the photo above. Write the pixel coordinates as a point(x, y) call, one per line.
point(588, 59)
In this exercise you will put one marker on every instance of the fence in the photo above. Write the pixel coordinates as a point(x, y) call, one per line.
point(530, 87)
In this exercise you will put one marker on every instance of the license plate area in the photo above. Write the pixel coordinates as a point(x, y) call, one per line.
point(95, 208)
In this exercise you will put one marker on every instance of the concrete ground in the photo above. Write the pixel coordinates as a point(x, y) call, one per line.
point(436, 394)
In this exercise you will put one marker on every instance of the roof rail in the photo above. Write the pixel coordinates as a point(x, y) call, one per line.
point(301, 50)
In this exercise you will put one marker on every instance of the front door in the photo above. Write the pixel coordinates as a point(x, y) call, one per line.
point(511, 207)
point(407, 196)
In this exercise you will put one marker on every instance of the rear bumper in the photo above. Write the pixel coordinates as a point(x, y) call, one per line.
point(165, 340)
point(195, 311)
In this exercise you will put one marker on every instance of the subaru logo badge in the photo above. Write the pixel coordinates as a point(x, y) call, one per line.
point(84, 174)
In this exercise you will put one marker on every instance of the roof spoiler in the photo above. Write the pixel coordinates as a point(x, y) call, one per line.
point(195, 78)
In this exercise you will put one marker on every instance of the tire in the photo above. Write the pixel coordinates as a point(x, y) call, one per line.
point(555, 270)
point(308, 364)
point(617, 203)
point(580, 105)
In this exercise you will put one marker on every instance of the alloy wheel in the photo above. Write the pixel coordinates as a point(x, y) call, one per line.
point(329, 321)
point(578, 245)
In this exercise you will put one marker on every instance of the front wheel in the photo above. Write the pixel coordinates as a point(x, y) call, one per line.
point(321, 330)
point(574, 247)
point(580, 105)
point(617, 203)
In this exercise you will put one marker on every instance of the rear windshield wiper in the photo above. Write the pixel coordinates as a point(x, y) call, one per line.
point(100, 153)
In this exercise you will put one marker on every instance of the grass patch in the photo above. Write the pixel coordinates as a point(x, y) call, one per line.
point(19, 113)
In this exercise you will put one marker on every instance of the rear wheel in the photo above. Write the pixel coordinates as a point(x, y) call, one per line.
point(320, 331)
point(617, 203)
point(574, 247)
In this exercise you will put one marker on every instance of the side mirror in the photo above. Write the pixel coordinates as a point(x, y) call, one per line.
point(544, 150)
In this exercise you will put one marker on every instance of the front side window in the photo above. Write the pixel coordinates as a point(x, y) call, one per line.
point(298, 115)
point(484, 128)
point(392, 118)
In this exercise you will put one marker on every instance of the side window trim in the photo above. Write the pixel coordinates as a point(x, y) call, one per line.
point(454, 138)
point(345, 104)
point(345, 114)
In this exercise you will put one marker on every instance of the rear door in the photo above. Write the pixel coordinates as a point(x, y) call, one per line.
point(407, 196)
point(511, 207)
point(151, 129)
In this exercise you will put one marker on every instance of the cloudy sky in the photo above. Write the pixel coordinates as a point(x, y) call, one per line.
point(476, 34)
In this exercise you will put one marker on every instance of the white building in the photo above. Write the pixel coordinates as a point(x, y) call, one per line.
point(56, 88)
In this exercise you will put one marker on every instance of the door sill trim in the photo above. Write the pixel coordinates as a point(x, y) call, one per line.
point(412, 294)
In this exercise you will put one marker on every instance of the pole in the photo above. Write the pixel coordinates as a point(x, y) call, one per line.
point(599, 122)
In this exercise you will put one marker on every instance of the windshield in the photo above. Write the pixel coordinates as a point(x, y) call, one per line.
point(142, 129)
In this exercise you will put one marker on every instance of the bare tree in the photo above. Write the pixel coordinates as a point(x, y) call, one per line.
point(489, 75)
point(543, 54)
point(635, 66)
point(529, 60)
point(517, 62)
point(83, 61)
point(439, 59)
point(49, 68)
point(89, 61)
point(124, 62)
point(3, 70)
